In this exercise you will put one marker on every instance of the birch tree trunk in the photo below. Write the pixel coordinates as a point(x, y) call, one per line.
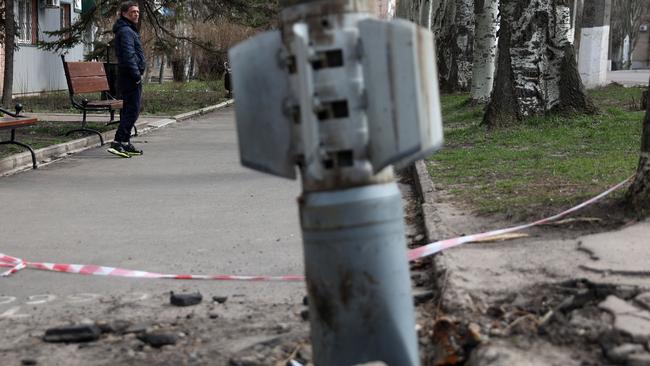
point(626, 19)
point(455, 45)
point(537, 71)
point(485, 48)
point(10, 39)
point(639, 192)
point(409, 9)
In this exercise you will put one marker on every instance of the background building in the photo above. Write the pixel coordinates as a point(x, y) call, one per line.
point(37, 70)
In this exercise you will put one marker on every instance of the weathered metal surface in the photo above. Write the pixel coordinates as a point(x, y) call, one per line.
point(404, 121)
point(260, 84)
point(308, 125)
point(360, 302)
point(358, 95)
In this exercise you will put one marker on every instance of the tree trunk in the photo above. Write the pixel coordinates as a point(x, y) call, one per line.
point(639, 192)
point(190, 69)
point(10, 39)
point(485, 48)
point(454, 48)
point(178, 68)
point(542, 76)
point(161, 72)
point(577, 7)
point(409, 9)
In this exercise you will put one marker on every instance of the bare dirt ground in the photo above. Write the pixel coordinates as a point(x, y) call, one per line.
point(235, 332)
point(537, 300)
point(523, 302)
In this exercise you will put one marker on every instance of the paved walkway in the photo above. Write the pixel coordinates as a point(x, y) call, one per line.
point(186, 206)
point(97, 117)
point(629, 77)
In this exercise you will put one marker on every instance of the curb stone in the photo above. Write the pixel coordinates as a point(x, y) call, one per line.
point(23, 161)
point(453, 298)
point(425, 189)
point(198, 112)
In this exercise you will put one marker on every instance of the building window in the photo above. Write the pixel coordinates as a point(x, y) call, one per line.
point(65, 18)
point(26, 12)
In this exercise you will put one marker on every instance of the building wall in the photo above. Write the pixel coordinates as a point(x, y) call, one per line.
point(641, 54)
point(2, 67)
point(385, 8)
point(36, 70)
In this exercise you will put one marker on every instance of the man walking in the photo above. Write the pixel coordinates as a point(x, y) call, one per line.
point(131, 65)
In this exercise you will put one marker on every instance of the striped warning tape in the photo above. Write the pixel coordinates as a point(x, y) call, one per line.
point(441, 245)
point(16, 264)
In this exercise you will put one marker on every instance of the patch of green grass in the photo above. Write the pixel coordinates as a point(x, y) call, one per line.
point(158, 99)
point(541, 165)
point(45, 134)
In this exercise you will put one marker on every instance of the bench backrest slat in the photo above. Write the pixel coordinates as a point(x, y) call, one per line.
point(89, 84)
point(86, 77)
point(10, 122)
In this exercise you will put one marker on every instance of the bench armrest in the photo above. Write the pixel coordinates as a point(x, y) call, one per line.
point(18, 107)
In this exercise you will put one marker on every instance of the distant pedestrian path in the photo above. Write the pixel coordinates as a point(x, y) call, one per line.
point(629, 77)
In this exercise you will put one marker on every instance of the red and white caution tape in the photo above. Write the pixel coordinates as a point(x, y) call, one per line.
point(16, 264)
point(433, 248)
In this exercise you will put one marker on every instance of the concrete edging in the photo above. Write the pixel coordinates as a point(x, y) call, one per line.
point(23, 161)
point(424, 187)
point(198, 112)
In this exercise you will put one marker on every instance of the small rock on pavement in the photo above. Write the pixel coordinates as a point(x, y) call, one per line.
point(628, 318)
point(116, 326)
point(621, 353)
point(639, 359)
point(220, 299)
point(158, 339)
point(185, 299)
point(304, 315)
point(644, 300)
point(28, 362)
point(74, 333)
point(248, 360)
point(422, 296)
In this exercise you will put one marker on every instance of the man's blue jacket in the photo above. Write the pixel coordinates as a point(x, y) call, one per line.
point(128, 49)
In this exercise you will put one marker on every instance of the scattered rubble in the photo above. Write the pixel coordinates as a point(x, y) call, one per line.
point(628, 319)
point(220, 299)
point(185, 299)
point(73, 333)
point(158, 339)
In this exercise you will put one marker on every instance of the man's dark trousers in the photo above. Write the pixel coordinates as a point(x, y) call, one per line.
point(132, 96)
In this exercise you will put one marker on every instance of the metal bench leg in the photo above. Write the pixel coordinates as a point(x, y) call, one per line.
point(14, 142)
point(101, 138)
point(83, 122)
point(135, 129)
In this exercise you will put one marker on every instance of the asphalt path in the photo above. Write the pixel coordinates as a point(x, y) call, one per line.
point(185, 206)
point(629, 77)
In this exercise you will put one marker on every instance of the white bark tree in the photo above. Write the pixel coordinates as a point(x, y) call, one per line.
point(639, 192)
point(9, 44)
point(536, 68)
point(485, 48)
point(409, 9)
point(455, 45)
point(626, 21)
point(452, 23)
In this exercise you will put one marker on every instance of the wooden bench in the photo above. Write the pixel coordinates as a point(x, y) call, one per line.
point(14, 121)
point(90, 77)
